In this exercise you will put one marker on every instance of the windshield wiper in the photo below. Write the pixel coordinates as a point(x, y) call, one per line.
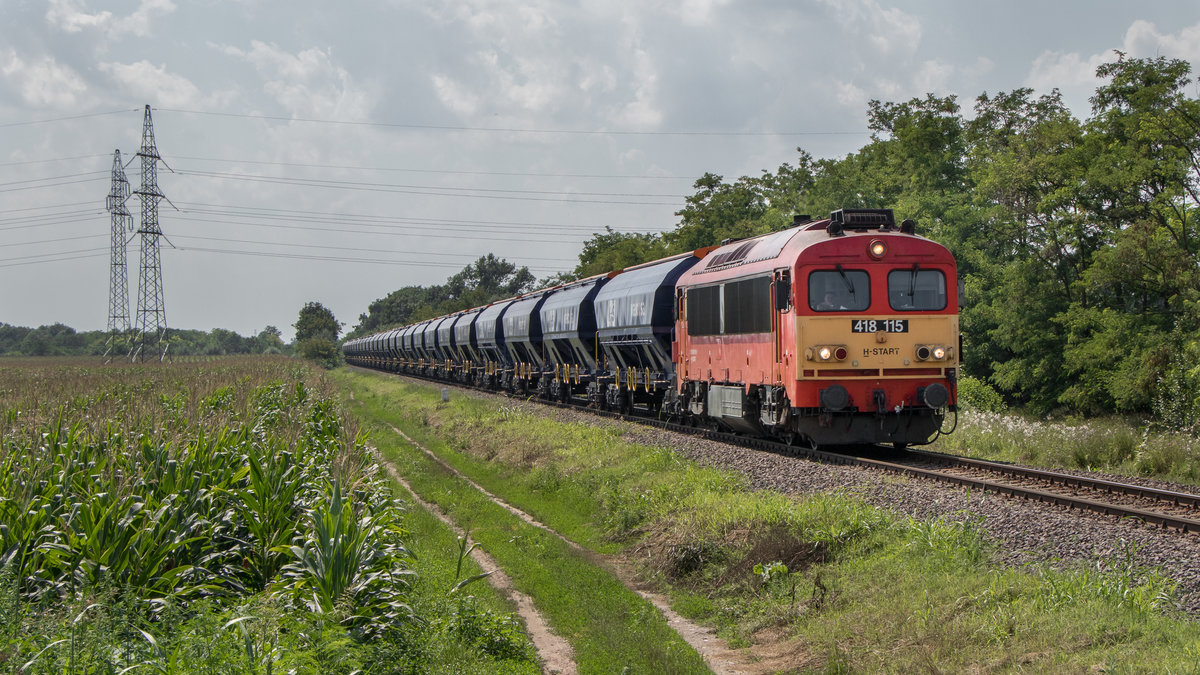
point(846, 280)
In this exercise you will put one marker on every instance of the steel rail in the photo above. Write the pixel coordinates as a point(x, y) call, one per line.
point(1182, 524)
point(1184, 499)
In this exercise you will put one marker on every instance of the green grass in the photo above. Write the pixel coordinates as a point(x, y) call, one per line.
point(472, 631)
point(610, 628)
point(855, 588)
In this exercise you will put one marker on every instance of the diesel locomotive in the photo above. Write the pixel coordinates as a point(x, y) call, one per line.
point(842, 330)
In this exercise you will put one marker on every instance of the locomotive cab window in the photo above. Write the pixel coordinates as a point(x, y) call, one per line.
point(915, 289)
point(839, 290)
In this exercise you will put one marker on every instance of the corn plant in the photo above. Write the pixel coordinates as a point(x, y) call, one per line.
point(269, 511)
point(353, 562)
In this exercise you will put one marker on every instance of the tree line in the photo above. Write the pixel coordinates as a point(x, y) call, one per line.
point(486, 280)
point(61, 340)
point(1077, 240)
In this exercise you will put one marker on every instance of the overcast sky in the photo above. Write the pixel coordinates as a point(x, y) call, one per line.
point(338, 151)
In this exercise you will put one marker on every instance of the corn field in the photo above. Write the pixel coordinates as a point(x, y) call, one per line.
point(168, 487)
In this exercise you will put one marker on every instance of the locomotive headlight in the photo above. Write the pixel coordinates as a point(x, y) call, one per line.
point(826, 353)
point(877, 249)
point(932, 352)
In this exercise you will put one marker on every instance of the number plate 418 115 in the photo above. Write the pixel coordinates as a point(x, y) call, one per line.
point(879, 325)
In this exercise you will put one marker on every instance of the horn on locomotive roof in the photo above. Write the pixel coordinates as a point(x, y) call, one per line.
point(860, 219)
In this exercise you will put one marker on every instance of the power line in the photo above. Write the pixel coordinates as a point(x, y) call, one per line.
point(69, 117)
point(356, 260)
point(582, 132)
point(103, 251)
point(299, 214)
point(55, 241)
point(460, 256)
point(456, 235)
point(49, 219)
point(67, 182)
point(79, 254)
point(438, 171)
point(43, 208)
point(389, 221)
point(46, 255)
point(47, 161)
point(38, 180)
point(433, 191)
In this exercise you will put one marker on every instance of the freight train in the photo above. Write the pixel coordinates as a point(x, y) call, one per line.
point(840, 330)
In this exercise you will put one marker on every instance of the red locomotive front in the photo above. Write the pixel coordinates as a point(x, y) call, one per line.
point(838, 331)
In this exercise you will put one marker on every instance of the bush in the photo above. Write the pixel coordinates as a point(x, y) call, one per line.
point(978, 394)
point(321, 351)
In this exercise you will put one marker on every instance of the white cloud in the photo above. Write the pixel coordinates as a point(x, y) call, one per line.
point(454, 95)
point(308, 83)
point(521, 63)
point(68, 16)
point(850, 96)
point(146, 81)
point(43, 83)
point(139, 22)
point(596, 77)
point(643, 111)
point(1058, 69)
point(1142, 40)
point(890, 31)
point(72, 17)
point(699, 12)
point(933, 76)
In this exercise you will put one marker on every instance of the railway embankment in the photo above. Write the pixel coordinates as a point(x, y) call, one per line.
point(816, 565)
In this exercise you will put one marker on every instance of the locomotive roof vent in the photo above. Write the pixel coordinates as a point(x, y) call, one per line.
point(800, 219)
point(860, 219)
point(729, 258)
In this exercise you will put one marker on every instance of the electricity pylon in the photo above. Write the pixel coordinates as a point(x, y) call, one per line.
point(151, 310)
point(118, 286)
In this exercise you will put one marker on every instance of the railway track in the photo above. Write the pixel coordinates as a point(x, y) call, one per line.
point(1178, 511)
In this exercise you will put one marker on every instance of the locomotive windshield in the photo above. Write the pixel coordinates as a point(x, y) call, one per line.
point(915, 289)
point(839, 290)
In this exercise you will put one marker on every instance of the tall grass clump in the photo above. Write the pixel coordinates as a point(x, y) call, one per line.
point(1114, 445)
